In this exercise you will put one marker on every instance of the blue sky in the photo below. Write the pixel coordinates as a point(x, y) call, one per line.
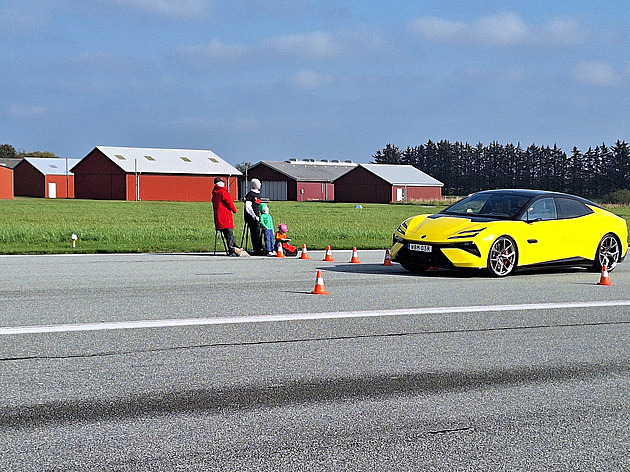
point(269, 80)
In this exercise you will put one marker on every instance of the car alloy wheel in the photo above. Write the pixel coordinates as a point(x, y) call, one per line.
point(608, 253)
point(502, 257)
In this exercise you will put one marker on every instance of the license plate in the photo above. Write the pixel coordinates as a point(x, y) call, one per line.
point(419, 247)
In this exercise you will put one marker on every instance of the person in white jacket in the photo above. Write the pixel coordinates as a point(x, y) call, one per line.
point(252, 217)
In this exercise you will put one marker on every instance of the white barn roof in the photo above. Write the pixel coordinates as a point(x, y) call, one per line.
point(396, 174)
point(52, 165)
point(310, 170)
point(168, 161)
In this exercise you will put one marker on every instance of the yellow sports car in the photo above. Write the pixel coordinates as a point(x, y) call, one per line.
point(501, 230)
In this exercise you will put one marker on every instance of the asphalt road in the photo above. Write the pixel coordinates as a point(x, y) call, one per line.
point(200, 362)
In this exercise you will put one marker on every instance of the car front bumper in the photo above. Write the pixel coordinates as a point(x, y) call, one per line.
point(459, 254)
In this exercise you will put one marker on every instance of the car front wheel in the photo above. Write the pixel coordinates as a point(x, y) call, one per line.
point(502, 257)
point(608, 253)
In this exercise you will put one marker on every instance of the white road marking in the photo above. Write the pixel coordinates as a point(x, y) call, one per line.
point(142, 324)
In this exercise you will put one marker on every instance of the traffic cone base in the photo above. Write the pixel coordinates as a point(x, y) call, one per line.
point(604, 279)
point(319, 285)
point(355, 256)
point(388, 258)
point(329, 256)
point(304, 254)
point(280, 252)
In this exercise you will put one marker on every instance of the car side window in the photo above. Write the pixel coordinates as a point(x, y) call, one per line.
point(570, 208)
point(543, 209)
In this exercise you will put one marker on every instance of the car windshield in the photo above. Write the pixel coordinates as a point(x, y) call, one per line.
point(495, 205)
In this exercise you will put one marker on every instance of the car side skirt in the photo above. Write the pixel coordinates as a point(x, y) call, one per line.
point(451, 256)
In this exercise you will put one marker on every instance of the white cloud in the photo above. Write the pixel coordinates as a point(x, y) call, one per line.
point(308, 80)
point(598, 74)
point(317, 45)
point(503, 30)
point(215, 51)
point(104, 61)
point(177, 8)
point(18, 22)
point(21, 111)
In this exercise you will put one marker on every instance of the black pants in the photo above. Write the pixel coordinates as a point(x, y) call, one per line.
point(256, 233)
point(228, 235)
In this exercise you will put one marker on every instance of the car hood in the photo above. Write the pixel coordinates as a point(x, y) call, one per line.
point(441, 226)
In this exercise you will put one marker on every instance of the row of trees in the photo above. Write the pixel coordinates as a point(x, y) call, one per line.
point(464, 168)
point(8, 152)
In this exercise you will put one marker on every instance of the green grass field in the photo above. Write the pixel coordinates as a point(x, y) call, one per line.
point(45, 226)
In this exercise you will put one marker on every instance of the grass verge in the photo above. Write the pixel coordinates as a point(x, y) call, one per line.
point(45, 226)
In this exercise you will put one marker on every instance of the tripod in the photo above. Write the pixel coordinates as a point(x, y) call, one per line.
point(245, 236)
point(216, 234)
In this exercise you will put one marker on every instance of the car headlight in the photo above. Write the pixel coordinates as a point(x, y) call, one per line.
point(467, 233)
point(402, 229)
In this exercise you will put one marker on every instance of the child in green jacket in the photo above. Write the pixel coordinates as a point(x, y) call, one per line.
point(266, 223)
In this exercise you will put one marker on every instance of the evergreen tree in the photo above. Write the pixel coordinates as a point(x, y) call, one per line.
point(620, 154)
point(390, 155)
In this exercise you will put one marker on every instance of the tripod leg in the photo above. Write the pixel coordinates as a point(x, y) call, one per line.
point(215, 241)
point(243, 235)
point(224, 244)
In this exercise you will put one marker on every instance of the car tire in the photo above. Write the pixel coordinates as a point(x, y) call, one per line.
point(608, 253)
point(502, 257)
point(414, 268)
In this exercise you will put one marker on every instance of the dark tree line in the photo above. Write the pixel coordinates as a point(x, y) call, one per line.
point(464, 168)
point(8, 152)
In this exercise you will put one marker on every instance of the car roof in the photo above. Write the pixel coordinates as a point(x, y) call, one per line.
point(531, 193)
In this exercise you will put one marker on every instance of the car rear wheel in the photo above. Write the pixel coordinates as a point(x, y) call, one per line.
point(502, 257)
point(608, 253)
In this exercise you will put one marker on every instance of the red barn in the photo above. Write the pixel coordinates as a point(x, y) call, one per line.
point(6, 182)
point(386, 183)
point(45, 177)
point(124, 173)
point(300, 181)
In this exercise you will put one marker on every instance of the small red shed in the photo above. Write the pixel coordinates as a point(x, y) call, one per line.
point(296, 180)
point(6, 182)
point(386, 183)
point(124, 173)
point(45, 177)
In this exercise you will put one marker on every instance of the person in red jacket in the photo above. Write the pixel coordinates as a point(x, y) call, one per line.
point(223, 206)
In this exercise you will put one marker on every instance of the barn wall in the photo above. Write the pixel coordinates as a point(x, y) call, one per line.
point(296, 190)
point(177, 188)
point(96, 177)
point(362, 186)
point(28, 181)
point(65, 185)
point(420, 193)
point(264, 173)
point(315, 191)
point(6, 183)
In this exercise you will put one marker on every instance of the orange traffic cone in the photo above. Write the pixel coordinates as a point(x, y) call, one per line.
point(355, 256)
point(329, 256)
point(388, 258)
point(319, 285)
point(604, 280)
point(304, 254)
point(280, 252)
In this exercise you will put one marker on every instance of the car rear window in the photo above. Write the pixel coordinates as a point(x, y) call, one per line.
point(570, 208)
